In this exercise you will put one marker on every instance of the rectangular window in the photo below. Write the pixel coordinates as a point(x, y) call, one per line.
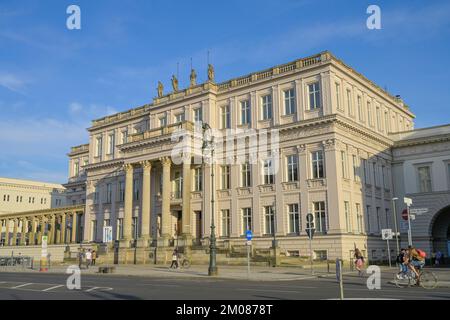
point(179, 118)
point(269, 219)
point(226, 223)
point(124, 136)
point(379, 123)
point(424, 179)
point(108, 193)
point(134, 227)
point(320, 217)
point(96, 195)
point(136, 189)
point(198, 178)
point(338, 96)
point(314, 96)
point(98, 149)
point(360, 110)
point(225, 177)
point(198, 115)
point(378, 219)
point(246, 175)
point(111, 142)
point(246, 220)
point(292, 168)
point(387, 125)
point(225, 117)
point(119, 234)
point(349, 102)
point(289, 102)
point(388, 225)
point(359, 218)
point(245, 112)
point(76, 169)
point(121, 191)
point(369, 113)
point(365, 168)
point(368, 214)
point(163, 121)
point(268, 171)
point(355, 168)
point(348, 226)
point(317, 164)
point(375, 176)
point(344, 164)
point(266, 104)
point(294, 218)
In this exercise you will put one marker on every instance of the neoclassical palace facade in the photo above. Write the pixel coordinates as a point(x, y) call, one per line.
point(333, 150)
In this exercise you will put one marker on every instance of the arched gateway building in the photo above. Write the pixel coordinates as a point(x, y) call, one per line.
point(310, 136)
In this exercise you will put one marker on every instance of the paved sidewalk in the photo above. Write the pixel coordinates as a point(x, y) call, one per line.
point(233, 272)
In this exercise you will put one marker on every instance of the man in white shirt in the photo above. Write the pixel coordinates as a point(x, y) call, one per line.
point(88, 258)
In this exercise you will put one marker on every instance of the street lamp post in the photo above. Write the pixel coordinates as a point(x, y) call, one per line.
point(274, 241)
point(212, 270)
point(395, 224)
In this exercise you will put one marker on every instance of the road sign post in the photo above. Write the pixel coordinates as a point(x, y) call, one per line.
point(44, 254)
point(310, 232)
point(339, 277)
point(249, 236)
point(387, 235)
point(408, 202)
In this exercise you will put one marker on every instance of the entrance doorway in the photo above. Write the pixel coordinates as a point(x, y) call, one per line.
point(440, 231)
point(198, 227)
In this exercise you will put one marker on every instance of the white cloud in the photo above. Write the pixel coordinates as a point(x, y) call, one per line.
point(12, 82)
point(36, 148)
point(75, 107)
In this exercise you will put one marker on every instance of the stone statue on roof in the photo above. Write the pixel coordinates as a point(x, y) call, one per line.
point(193, 78)
point(210, 73)
point(160, 89)
point(174, 83)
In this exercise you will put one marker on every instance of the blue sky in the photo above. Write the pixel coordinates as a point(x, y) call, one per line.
point(53, 81)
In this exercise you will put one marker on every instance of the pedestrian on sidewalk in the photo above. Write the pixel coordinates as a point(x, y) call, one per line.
point(80, 258)
point(88, 258)
point(438, 258)
point(174, 259)
point(359, 261)
point(94, 256)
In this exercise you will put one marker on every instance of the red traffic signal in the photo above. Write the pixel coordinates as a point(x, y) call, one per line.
point(405, 214)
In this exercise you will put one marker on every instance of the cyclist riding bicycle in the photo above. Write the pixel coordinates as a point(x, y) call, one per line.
point(402, 261)
point(416, 258)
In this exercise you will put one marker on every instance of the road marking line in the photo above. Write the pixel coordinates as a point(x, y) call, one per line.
point(285, 291)
point(22, 285)
point(54, 287)
point(102, 288)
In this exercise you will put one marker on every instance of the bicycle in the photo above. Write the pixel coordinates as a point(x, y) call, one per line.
point(183, 262)
point(428, 279)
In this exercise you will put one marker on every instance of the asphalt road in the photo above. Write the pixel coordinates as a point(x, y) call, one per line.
point(20, 286)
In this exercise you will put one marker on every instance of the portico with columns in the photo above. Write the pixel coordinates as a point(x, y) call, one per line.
point(27, 228)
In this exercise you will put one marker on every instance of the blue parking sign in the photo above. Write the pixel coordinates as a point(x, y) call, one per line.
point(249, 235)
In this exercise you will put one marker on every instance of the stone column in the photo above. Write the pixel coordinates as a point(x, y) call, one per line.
point(186, 206)
point(128, 207)
point(165, 207)
point(63, 228)
point(41, 230)
point(51, 236)
point(24, 233)
point(335, 203)
point(58, 230)
point(6, 232)
point(33, 231)
point(146, 202)
point(14, 237)
point(74, 228)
